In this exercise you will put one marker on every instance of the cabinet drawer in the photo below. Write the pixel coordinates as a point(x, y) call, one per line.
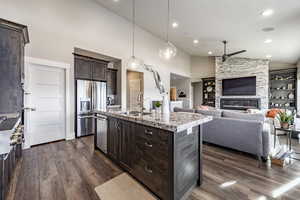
point(152, 148)
point(152, 156)
point(151, 176)
point(152, 134)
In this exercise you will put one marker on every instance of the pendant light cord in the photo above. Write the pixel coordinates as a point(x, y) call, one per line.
point(168, 20)
point(133, 26)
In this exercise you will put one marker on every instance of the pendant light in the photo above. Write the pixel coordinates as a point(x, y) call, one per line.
point(133, 61)
point(168, 51)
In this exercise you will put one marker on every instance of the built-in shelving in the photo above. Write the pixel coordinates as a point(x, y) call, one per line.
point(283, 89)
point(209, 91)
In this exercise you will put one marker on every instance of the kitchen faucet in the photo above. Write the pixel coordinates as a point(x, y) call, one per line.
point(140, 99)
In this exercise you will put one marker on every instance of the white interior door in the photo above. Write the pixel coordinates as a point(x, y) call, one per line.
point(45, 92)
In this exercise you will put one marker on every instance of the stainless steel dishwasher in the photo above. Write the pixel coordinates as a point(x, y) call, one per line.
point(101, 133)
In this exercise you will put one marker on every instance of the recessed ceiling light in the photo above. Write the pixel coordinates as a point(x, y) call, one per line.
point(116, 0)
point(268, 56)
point(175, 24)
point(196, 41)
point(210, 53)
point(268, 29)
point(267, 12)
point(267, 41)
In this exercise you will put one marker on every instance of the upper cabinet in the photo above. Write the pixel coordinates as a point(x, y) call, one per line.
point(112, 81)
point(90, 69)
point(99, 70)
point(13, 38)
point(83, 68)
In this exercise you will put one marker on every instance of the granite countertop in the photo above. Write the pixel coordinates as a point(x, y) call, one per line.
point(7, 128)
point(175, 121)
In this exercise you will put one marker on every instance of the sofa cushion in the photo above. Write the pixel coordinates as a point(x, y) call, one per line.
point(214, 113)
point(176, 109)
point(245, 116)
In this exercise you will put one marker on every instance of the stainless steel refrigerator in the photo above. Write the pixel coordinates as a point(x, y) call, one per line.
point(91, 95)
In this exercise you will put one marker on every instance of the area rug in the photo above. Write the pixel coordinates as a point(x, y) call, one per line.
point(123, 187)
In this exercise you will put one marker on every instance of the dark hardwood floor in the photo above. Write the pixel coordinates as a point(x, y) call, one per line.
point(71, 170)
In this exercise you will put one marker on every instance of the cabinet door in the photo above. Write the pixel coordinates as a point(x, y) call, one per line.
point(111, 82)
point(99, 71)
point(113, 138)
point(83, 68)
point(10, 71)
point(1, 179)
point(126, 151)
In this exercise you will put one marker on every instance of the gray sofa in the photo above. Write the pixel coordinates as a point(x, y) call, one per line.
point(249, 133)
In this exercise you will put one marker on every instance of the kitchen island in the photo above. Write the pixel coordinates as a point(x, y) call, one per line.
point(163, 152)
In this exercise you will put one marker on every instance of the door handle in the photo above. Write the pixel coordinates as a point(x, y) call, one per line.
point(148, 169)
point(29, 109)
point(148, 145)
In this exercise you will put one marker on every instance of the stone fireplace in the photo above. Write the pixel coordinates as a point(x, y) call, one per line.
point(243, 67)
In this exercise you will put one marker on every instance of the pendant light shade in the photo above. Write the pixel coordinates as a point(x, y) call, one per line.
point(133, 62)
point(168, 51)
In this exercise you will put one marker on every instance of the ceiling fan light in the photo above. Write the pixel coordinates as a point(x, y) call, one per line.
point(134, 63)
point(168, 51)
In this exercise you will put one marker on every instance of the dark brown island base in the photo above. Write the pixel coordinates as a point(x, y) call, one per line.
point(163, 152)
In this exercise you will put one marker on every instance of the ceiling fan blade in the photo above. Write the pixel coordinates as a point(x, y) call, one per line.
point(235, 53)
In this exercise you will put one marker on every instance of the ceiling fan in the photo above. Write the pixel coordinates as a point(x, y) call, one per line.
point(225, 55)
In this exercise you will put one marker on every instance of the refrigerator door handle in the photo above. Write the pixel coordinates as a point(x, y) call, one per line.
point(93, 96)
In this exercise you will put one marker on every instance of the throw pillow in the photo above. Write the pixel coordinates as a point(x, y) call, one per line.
point(272, 113)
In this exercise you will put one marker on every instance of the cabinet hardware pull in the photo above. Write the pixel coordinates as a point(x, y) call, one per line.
point(148, 132)
point(148, 145)
point(148, 170)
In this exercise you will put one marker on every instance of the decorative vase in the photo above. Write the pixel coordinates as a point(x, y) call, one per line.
point(157, 110)
point(165, 105)
point(285, 125)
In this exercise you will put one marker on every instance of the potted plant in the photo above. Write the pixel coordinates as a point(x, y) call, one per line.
point(157, 106)
point(285, 119)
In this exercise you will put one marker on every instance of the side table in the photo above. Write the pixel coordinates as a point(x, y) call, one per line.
point(289, 133)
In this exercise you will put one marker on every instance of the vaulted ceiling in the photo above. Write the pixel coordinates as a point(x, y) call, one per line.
point(211, 21)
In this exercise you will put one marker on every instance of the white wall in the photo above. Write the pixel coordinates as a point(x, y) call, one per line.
point(57, 26)
point(182, 84)
point(202, 67)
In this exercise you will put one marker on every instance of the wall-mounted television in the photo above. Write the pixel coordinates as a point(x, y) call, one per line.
point(245, 86)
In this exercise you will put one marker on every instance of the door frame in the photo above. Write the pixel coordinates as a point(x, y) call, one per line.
point(67, 68)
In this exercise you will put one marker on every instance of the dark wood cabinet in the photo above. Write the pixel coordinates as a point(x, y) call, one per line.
point(83, 68)
point(99, 71)
point(126, 149)
point(120, 140)
point(167, 163)
point(113, 138)
point(13, 38)
point(151, 159)
point(112, 81)
point(8, 164)
point(90, 69)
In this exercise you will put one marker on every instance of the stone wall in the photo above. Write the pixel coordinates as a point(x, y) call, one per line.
point(244, 67)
